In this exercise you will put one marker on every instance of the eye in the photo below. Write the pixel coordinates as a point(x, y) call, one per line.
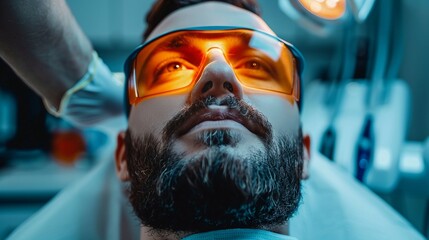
point(254, 65)
point(171, 67)
point(174, 66)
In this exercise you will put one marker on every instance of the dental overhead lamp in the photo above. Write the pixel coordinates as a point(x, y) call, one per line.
point(322, 16)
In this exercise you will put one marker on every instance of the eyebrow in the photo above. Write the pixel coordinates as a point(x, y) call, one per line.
point(176, 43)
point(185, 40)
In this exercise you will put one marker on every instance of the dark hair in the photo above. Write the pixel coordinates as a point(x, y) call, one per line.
point(162, 8)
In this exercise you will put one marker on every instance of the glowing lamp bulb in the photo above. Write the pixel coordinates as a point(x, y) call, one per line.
point(327, 9)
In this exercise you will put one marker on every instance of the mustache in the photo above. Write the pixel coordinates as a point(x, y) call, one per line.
point(233, 103)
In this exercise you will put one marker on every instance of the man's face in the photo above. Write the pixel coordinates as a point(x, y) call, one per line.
point(215, 132)
point(152, 115)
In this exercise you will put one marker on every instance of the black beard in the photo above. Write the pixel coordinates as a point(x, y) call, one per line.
point(214, 190)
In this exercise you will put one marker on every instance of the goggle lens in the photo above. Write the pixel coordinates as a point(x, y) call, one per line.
point(175, 61)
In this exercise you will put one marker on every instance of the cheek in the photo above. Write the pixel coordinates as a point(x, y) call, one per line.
point(281, 112)
point(151, 115)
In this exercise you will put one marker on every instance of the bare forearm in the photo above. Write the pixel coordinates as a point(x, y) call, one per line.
point(42, 42)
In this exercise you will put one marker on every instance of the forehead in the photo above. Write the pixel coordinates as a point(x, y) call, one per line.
point(210, 14)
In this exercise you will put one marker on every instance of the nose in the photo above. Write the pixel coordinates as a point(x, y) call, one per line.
point(217, 78)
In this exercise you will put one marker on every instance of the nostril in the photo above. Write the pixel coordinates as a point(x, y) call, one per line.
point(207, 86)
point(228, 86)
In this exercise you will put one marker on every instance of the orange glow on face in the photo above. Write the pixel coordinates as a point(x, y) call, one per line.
point(327, 9)
point(176, 61)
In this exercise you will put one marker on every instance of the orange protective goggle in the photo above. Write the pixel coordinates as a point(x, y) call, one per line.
point(173, 61)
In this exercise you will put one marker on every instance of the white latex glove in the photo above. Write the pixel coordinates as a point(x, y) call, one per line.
point(95, 99)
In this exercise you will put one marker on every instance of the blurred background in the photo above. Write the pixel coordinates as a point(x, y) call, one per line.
point(365, 101)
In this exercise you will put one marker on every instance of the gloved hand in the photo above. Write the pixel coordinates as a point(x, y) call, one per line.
point(97, 97)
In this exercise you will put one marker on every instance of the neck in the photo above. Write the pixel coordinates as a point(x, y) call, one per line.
point(150, 234)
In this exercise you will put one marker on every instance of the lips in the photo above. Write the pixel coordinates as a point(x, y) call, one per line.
point(218, 115)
